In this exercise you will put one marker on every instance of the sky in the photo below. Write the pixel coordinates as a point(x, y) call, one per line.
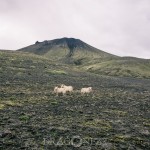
point(120, 27)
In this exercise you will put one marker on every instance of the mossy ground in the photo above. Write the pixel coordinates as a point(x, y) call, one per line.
point(122, 67)
point(117, 112)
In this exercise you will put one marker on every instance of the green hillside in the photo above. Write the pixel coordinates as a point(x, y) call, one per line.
point(123, 66)
point(77, 53)
point(116, 113)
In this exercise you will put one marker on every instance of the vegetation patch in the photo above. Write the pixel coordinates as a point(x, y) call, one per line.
point(98, 123)
point(59, 72)
point(2, 106)
point(24, 117)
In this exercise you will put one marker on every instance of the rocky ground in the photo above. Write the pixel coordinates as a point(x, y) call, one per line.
point(115, 116)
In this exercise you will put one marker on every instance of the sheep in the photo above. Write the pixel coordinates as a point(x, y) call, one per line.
point(86, 90)
point(68, 88)
point(58, 90)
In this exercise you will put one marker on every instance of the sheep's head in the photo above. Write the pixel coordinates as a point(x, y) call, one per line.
point(55, 89)
point(90, 88)
point(62, 86)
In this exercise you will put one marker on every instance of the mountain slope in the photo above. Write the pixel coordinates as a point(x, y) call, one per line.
point(77, 53)
point(115, 115)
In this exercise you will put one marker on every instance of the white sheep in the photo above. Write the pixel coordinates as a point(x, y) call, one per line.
point(58, 90)
point(67, 88)
point(86, 90)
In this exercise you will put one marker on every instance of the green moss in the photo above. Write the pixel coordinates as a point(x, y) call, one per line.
point(33, 67)
point(98, 123)
point(60, 72)
point(2, 106)
point(24, 117)
point(119, 138)
point(11, 103)
point(54, 103)
point(116, 112)
point(121, 67)
point(146, 124)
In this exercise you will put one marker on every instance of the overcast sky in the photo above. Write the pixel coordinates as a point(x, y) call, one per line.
point(120, 27)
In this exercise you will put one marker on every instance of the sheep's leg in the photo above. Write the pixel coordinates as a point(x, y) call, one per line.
point(64, 93)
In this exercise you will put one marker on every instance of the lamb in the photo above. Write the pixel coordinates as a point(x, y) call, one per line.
point(58, 90)
point(67, 88)
point(86, 90)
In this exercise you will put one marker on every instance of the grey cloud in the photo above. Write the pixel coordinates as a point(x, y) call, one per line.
point(121, 27)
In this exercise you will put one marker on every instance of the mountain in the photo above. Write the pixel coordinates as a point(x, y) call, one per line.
point(68, 50)
point(77, 53)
